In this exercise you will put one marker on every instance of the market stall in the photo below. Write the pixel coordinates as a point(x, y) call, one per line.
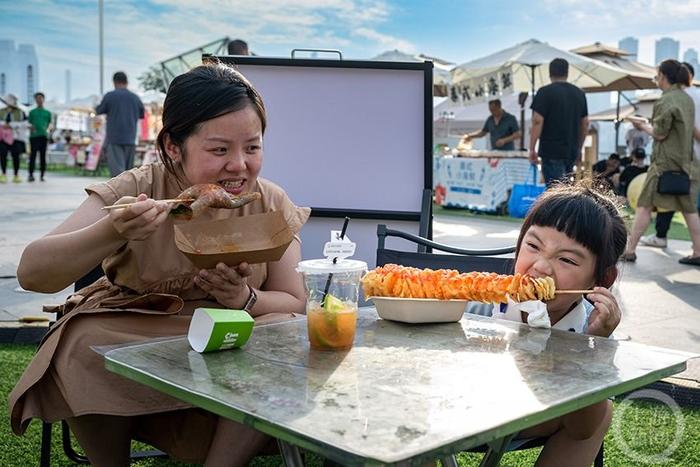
point(480, 180)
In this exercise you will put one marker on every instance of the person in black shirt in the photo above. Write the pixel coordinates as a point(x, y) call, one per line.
point(559, 122)
point(501, 126)
point(606, 169)
point(637, 167)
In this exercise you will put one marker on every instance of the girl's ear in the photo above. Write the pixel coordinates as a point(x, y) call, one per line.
point(610, 277)
point(172, 149)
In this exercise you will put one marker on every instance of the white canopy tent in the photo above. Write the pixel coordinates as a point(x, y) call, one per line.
point(525, 67)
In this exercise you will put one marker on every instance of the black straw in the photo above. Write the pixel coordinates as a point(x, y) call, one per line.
point(335, 260)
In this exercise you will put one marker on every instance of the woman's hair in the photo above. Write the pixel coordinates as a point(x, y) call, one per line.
point(203, 93)
point(587, 213)
point(675, 72)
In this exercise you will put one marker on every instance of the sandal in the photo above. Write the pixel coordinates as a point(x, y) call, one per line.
point(629, 257)
point(692, 260)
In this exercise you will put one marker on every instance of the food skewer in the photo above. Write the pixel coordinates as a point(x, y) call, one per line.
point(126, 205)
point(392, 280)
point(573, 291)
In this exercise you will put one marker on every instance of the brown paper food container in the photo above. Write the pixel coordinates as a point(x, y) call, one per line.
point(257, 238)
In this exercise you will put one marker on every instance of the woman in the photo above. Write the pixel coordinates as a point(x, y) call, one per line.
point(213, 123)
point(673, 120)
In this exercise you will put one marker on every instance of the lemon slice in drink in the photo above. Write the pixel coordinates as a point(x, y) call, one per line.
point(333, 304)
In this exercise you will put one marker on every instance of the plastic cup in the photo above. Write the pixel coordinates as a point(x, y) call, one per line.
point(332, 292)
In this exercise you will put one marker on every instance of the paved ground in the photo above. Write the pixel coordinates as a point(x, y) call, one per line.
point(660, 298)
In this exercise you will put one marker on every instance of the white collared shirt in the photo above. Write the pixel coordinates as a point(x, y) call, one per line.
point(575, 320)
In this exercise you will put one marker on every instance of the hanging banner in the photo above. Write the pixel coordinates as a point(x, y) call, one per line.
point(483, 88)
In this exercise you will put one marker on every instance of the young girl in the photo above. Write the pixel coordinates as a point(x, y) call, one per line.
point(213, 124)
point(574, 234)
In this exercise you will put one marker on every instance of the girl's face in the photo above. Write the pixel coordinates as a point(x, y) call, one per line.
point(226, 150)
point(547, 252)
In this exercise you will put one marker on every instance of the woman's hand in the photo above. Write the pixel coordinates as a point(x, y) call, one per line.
point(229, 286)
point(606, 315)
point(140, 220)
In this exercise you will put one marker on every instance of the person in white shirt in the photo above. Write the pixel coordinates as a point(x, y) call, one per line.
point(576, 235)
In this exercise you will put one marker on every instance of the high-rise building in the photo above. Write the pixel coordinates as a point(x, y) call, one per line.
point(19, 70)
point(691, 56)
point(666, 48)
point(631, 46)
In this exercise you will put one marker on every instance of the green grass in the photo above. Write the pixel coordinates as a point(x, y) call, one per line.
point(646, 428)
point(678, 230)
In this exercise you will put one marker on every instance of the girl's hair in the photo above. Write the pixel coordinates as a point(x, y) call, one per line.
point(587, 214)
point(675, 72)
point(203, 93)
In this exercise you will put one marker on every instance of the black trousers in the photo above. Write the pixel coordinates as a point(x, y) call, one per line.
point(663, 223)
point(38, 146)
point(13, 149)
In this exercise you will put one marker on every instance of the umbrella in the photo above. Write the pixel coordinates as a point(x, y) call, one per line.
point(642, 107)
point(638, 75)
point(525, 67)
point(441, 68)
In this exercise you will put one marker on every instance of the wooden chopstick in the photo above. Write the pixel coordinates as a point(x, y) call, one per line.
point(573, 291)
point(126, 205)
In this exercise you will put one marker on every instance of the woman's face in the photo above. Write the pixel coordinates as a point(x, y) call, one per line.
point(661, 80)
point(226, 150)
point(547, 252)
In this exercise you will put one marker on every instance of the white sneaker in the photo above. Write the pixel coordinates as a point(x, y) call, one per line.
point(653, 240)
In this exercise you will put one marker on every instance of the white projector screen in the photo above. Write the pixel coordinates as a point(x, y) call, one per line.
point(347, 138)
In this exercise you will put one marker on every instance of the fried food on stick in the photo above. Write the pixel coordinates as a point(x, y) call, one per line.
point(393, 280)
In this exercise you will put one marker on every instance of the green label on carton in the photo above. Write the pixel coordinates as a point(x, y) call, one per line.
point(219, 329)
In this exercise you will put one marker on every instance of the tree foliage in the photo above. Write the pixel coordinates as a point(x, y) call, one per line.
point(152, 80)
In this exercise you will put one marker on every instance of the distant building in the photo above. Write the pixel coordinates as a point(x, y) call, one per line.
point(631, 46)
point(19, 70)
point(691, 56)
point(666, 48)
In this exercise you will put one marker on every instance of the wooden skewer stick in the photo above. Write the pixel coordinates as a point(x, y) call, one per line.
point(126, 205)
point(573, 291)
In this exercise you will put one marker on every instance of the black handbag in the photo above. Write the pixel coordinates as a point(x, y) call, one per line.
point(673, 182)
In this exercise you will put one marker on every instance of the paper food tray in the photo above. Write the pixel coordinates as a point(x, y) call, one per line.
point(257, 238)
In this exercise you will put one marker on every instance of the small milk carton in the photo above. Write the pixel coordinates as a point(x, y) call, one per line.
point(219, 329)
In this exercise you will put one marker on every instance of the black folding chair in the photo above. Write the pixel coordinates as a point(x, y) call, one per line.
point(463, 260)
point(70, 452)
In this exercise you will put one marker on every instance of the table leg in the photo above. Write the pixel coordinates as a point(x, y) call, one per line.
point(449, 461)
point(497, 448)
point(290, 454)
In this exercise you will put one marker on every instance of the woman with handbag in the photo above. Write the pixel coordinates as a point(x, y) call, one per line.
point(672, 179)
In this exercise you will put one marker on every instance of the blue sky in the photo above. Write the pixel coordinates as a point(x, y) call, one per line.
point(141, 33)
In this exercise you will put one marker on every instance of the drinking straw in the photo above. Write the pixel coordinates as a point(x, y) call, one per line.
point(335, 260)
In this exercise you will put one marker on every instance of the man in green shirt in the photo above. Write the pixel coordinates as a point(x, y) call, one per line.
point(40, 120)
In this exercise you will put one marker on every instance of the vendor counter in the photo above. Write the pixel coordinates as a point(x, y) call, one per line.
point(480, 180)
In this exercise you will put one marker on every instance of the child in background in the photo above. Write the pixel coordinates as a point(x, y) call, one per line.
point(574, 234)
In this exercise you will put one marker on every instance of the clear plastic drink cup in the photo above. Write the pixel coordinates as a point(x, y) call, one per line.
point(332, 292)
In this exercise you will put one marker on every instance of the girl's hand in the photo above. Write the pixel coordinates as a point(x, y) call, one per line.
point(229, 286)
point(140, 220)
point(606, 315)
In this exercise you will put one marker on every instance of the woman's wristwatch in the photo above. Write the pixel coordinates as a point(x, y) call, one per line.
point(252, 298)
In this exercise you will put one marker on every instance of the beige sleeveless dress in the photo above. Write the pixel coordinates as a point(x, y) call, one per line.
point(147, 292)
